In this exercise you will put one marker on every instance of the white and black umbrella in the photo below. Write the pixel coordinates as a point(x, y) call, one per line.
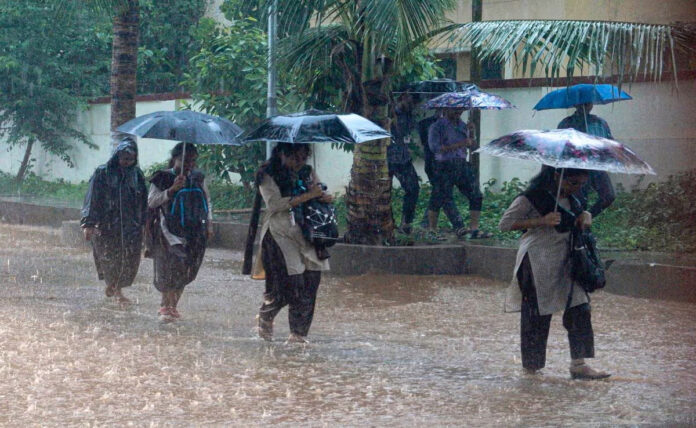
point(316, 126)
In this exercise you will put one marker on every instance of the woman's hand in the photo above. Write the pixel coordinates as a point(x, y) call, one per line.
point(89, 232)
point(326, 198)
point(179, 183)
point(584, 220)
point(314, 192)
point(210, 233)
point(550, 219)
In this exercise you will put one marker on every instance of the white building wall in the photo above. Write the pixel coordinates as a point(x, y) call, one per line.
point(658, 124)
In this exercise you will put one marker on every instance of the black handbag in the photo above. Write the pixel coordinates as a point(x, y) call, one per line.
point(586, 267)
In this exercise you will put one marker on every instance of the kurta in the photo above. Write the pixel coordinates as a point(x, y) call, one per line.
point(548, 252)
point(299, 254)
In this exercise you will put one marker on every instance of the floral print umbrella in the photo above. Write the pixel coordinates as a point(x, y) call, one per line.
point(468, 99)
point(568, 148)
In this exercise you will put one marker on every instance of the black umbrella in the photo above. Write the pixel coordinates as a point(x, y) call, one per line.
point(316, 126)
point(184, 125)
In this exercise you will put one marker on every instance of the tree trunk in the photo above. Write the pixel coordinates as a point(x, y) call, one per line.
point(124, 64)
point(368, 197)
point(24, 167)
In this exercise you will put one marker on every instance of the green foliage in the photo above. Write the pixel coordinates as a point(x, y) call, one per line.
point(47, 63)
point(59, 192)
point(656, 218)
point(227, 78)
point(659, 217)
point(167, 41)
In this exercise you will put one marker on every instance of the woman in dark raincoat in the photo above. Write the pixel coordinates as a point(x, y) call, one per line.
point(180, 226)
point(113, 217)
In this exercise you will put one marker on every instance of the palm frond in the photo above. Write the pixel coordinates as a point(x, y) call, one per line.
point(312, 48)
point(632, 48)
point(402, 21)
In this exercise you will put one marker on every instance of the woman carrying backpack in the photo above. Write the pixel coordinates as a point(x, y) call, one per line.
point(541, 284)
point(181, 224)
point(291, 263)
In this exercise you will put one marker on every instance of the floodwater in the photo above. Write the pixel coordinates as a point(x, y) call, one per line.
point(385, 351)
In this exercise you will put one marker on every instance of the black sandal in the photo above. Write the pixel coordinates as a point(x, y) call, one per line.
point(477, 234)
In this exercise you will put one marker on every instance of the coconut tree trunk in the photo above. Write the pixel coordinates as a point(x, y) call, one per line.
point(25, 161)
point(368, 197)
point(124, 62)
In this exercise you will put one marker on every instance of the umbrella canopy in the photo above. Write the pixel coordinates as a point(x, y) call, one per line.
point(315, 126)
point(568, 148)
point(581, 94)
point(184, 125)
point(470, 98)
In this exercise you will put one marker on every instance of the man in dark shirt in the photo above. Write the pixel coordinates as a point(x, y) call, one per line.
point(449, 139)
point(399, 159)
point(591, 124)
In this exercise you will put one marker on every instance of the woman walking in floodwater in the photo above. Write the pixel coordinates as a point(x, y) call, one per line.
point(291, 264)
point(113, 217)
point(180, 226)
point(541, 283)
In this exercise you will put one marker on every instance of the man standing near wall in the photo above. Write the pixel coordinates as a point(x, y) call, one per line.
point(591, 124)
point(448, 139)
point(399, 159)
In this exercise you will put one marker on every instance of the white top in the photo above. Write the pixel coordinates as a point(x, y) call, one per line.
point(548, 252)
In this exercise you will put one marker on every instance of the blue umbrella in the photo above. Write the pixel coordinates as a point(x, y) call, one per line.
point(581, 94)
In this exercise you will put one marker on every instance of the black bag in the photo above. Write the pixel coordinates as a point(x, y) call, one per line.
point(317, 220)
point(586, 268)
point(189, 210)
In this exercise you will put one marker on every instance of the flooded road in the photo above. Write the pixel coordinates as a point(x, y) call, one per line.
point(385, 351)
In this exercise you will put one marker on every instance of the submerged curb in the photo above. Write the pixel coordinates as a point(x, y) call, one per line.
point(633, 278)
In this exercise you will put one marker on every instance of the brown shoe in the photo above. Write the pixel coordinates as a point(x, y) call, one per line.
point(586, 372)
point(265, 328)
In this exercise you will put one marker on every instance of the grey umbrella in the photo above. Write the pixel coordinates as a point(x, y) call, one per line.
point(184, 125)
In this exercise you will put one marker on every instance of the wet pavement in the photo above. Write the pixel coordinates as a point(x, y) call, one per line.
point(385, 351)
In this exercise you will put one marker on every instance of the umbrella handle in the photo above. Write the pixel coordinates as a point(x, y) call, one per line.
point(558, 192)
point(183, 159)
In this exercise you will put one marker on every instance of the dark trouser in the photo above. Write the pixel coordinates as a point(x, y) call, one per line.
point(449, 174)
point(297, 291)
point(408, 178)
point(448, 205)
point(535, 328)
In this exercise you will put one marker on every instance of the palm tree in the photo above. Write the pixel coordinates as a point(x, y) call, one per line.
point(564, 48)
point(353, 34)
point(365, 39)
point(124, 57)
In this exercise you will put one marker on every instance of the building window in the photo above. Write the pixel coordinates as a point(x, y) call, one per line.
point(491, 69)
point(449, 66)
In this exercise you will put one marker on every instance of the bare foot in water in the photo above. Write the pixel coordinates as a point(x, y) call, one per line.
point(120, 297)
point(109, 291)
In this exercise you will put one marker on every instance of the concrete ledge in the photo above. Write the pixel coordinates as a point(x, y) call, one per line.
point(626, 277)
point(231, 235)
point(490, 261)
point(421, 260)
point(653, 281)
point(27, 213)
